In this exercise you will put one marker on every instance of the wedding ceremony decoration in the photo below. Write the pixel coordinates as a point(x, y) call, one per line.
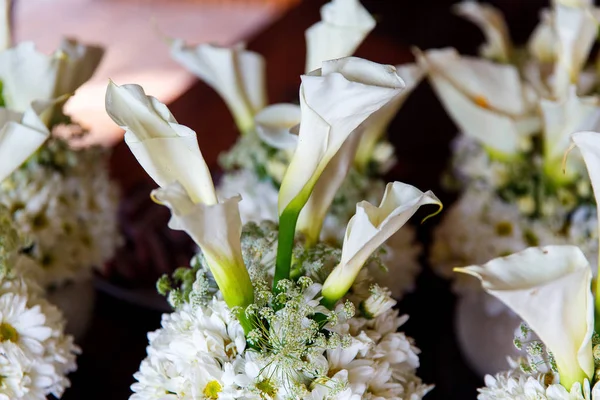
point(60, 197)
point(267, 310)
point(553, 290)
point(255, 165)
point(515, 109)
point(35, 353)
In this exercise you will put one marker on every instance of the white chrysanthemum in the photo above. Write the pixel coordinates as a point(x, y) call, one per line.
point(64, 202)
point(515, 385)
point(35, 354)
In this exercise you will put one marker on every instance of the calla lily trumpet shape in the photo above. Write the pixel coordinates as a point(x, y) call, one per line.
point(236, 74)
point(486, 100)
point(344, 25)
point(549, 288)
point(368, 229)
point(334, 101)
point(21, 135)
point(542, 42)
point(170, 155)
point(377, 124)
point(491, 21)
point(168, 151)
point(28, 75)
point(217, 229)
point(273, 125)
point(561, 119)
point(576, 31)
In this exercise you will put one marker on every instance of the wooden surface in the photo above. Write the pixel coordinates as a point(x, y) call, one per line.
point(116, 342)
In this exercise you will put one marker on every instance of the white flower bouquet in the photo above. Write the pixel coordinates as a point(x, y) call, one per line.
point(550, 288)
point(60, 197)
point(35, 353)
point(515, 109)
point(269, 311)
point(256, 164)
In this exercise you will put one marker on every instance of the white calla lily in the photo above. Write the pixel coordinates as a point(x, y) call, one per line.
point(168, 151)
point(549, 288)
point(21, 135)
point(236, 74)
point(334, 101)
point(368, 229)
point(491, 21)
point(486, 100)
point(217, 229)
point(344, 25)
point(561, 119)
point(28, 75)
point(576, 31)
point(6, 29)
point(542, 42)
point(273, 125)
point(377, 124)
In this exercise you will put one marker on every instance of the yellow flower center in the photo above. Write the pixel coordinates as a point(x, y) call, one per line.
point(212, 390)
point(481, 101)
point(504, 228)
point(8, 333)
point(267, 389)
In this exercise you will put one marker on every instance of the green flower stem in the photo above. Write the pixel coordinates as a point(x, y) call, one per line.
point(246, 323)
point(285, 244)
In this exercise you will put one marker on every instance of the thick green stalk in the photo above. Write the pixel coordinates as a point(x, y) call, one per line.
point(285, 244)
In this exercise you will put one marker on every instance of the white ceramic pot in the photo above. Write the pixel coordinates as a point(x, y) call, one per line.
point(485, 337)
point(76, 300)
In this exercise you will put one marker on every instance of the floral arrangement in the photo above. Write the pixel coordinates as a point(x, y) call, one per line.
point(515, 108)
point(60, 197)
point(255, 166)
point(267, 310)
point(35, 353)
point(550, 288)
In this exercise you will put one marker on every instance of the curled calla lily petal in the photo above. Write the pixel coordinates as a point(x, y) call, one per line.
point(168, 151)
point(6, 29)
point(273, 125)
point(217, 229)
point(28, 75)
point(561, 119)
point(486, 100)
point(238, 75)
point(576, 31)
point(376, 125)
point(21, 135)
point(79, 62)
point(491, 21)
point(369, 228)
point(344, 25)
point(549, 288)
point(334, 102)
point(542, 42)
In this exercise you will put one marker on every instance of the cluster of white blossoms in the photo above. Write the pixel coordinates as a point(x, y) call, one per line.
point(65, 202)
point(35, 354)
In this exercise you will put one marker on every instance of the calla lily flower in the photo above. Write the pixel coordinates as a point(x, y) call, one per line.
point(170, 155)
point(21, 135)
point(6, 33)
point(576, 31)
point(168, 151)
point(377, 124)
point(217, 229)
point(561, 119)
point(486, 100)
point(491, 21)
point(334, 101)
point(236, 74)
point(344, 25)
point(549, 288)
point(368, 229)
point(273, 125)
point(542, 42)
point(29, 75)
